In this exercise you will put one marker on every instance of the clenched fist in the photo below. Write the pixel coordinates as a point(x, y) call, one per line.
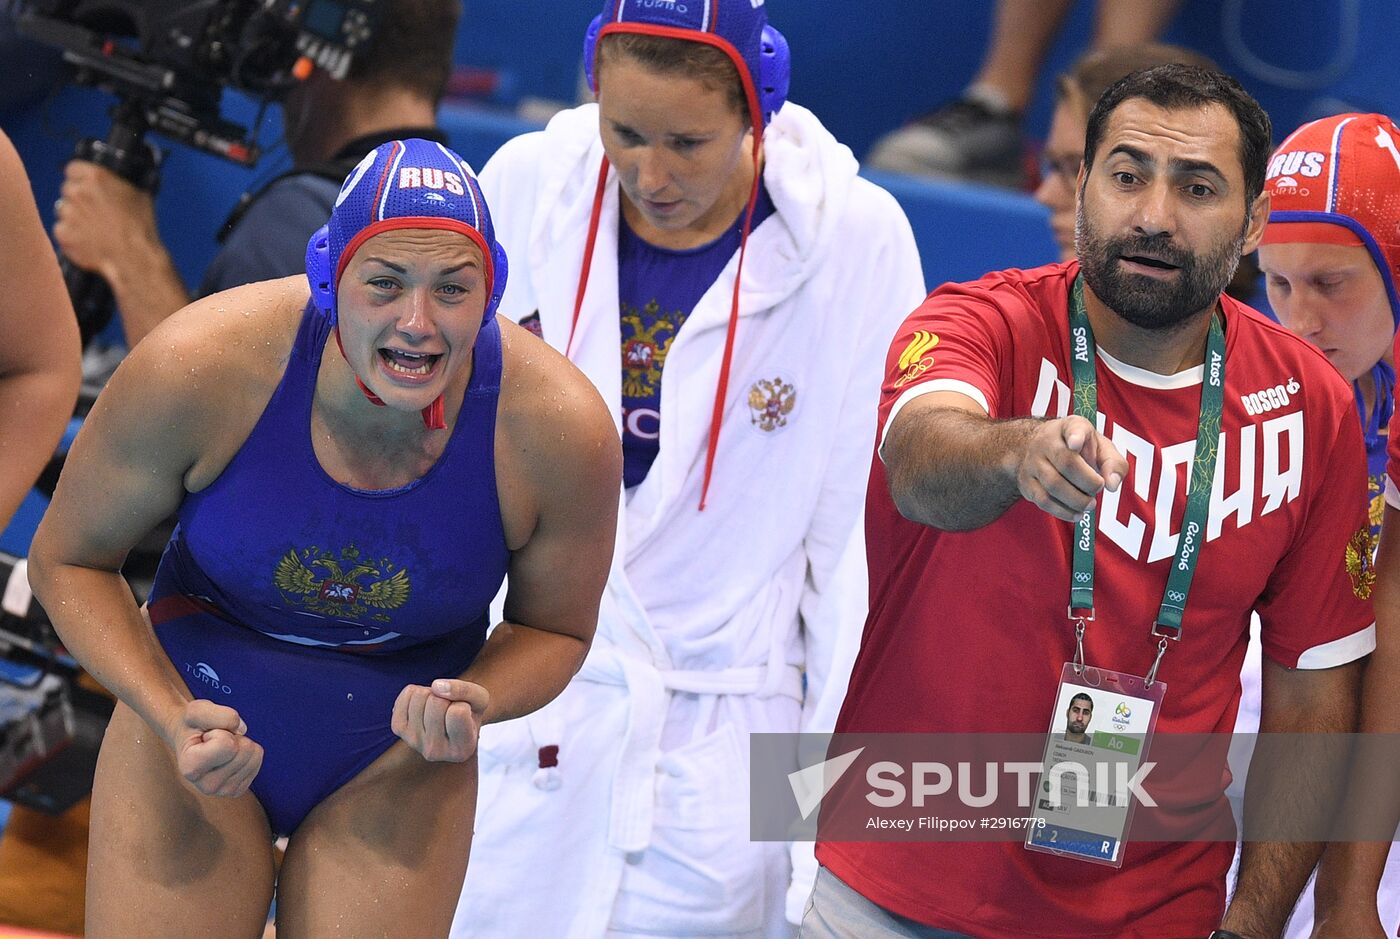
point(213, 751)
point(441, 722)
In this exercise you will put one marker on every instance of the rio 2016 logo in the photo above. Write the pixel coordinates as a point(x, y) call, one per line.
point(1121, 714)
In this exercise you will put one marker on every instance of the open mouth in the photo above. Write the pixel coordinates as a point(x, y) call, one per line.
point(1147, 261)
point(409, 364)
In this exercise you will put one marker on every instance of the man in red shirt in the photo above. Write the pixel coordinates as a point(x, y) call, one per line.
point(976, 513)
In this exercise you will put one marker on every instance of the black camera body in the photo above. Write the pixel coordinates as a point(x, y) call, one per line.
point(215, 38)
point(175, 57)
point(168, 63)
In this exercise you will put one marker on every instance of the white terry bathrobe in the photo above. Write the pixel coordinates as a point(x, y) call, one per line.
point(742, 618)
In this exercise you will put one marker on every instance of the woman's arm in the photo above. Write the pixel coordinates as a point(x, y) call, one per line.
point(39, 352)
point(561, 472)
point(570, 458)
point(169, 414)
point(123, 475)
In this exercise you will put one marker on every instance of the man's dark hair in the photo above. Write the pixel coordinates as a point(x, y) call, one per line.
point(1085, 697)
point(1092, 73)
point(412, 47)
point(1175, 87)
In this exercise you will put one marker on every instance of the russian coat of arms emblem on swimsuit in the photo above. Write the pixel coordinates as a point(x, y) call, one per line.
point(644, 347)
point(341, 584)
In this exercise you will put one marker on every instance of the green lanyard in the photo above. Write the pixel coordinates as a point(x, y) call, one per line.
point(1193, 522)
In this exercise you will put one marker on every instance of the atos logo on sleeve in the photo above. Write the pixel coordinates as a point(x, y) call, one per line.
point(427, 177)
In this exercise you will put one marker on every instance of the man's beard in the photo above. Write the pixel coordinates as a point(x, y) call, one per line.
point(1144, 301)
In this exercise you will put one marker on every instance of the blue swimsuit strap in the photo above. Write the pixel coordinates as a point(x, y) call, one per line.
point(1383, 379)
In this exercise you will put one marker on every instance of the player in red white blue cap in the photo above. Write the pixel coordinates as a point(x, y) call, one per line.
point(1331, 258)
point(406, 184)
point(1331, 252)
point(705, 251)
point(357, 458)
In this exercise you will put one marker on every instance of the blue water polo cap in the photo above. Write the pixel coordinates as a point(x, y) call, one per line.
point(411, 183)
point(739, 28)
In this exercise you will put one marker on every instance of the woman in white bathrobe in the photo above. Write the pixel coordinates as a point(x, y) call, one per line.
point(710, 259)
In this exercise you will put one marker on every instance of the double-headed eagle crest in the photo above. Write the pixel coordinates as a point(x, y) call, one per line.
point(643, 351)
point(1360, 563)
point(345, 590)
point(771, 400)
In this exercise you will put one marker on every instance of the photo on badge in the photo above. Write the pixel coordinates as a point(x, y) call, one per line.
point(1094, 764)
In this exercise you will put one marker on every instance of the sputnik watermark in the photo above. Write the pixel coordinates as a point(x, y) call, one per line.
point(969, 787)
point(942, 787)
point(1065, 783)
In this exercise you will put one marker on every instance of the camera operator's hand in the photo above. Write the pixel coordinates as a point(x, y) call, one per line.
point(103, 223)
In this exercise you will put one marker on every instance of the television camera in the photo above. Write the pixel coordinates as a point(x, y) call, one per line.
point(168, 63)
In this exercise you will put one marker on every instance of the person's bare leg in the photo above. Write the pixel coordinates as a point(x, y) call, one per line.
point(384, 855)
point(1130, 22)
point(1021, 34)
point(164, 860)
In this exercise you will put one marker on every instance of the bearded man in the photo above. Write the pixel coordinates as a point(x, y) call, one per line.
point(1092, 431)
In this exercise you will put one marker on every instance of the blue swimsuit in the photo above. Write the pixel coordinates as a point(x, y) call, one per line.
point(308, 605)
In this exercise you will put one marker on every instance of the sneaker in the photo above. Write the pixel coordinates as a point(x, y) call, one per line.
point(965, 139)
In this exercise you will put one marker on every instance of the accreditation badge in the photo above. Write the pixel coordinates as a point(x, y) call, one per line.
point(1094, 763)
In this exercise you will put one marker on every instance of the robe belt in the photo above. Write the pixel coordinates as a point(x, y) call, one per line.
point(634, 784)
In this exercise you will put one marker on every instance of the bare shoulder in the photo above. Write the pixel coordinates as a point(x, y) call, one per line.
point(205, 374)
point(13, 179)
point(556, 441)
point(545, 399)
point(243, 332)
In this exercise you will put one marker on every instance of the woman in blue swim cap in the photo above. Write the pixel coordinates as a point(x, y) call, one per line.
point(354, 475)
